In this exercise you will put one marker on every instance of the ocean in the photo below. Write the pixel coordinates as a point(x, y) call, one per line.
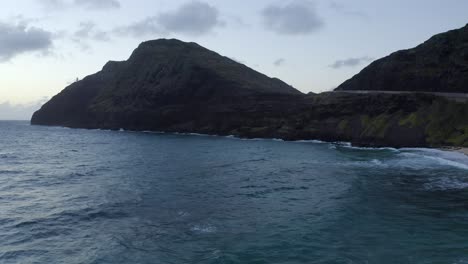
point(92, 196)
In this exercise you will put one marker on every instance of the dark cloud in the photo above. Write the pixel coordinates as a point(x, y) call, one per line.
point(88, 4)
point(279, 62)
point(351, 62)
point(19, 38)
point(297, 17)
point(343, 9)
point(192, 18)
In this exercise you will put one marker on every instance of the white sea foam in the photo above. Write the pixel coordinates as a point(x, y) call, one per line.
point(183, 214)
point(277, 139)
point(369, 148)
point(373, 163)
point(444, 158)
point(192, 134)
point(412, 158)
point(447, 162)
point(203, 229)
point(260, 139)
point(311, 141)
point(377, 162)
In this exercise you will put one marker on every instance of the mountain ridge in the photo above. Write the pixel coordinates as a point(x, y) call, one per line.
point(440, 64)
point(159, 72)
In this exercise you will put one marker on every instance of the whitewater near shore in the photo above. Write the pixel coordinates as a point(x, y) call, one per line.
point(457, 149)
point(463, 150)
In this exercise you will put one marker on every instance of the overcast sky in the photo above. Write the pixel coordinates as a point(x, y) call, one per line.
point(313, 45)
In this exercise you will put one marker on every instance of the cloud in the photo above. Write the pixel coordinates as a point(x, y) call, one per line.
point(10, 111)
point(87, 4)
point(279, 62)
point(298, 17)
point(146, 27)
point(52, 4)
point(16, 39)
point(236, 21)
point(351, 62)
point(192, 18)
point(88, 31)
point(346, 11)
point(98, 4)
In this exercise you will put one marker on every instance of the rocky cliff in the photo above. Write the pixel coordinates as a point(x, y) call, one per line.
point(438, 65)
point(173, 86)
point(160, 77)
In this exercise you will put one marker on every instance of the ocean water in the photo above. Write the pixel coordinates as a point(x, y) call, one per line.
point(90, 196)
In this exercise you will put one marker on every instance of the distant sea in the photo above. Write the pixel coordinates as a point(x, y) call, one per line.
point(91, 196)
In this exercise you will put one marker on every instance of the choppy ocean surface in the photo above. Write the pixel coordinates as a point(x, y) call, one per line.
point(90, 196)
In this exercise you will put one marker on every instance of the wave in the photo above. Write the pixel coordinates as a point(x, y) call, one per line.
point(447, 162)
point(446, 183)
point(9, 172)
point(192, 134)
point(7, 155)
point(370, 163)
point(377, 162)
point(408, 158)
point(444, 158)
point(349, 146)
point(74, 216)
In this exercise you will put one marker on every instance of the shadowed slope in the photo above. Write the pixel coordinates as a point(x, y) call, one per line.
point(158, 73)
point(438, 65)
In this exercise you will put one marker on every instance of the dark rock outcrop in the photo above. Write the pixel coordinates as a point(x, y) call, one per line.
point(438, 65)
point(172, 86)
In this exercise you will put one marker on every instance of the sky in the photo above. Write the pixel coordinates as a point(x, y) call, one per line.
point(313, 45)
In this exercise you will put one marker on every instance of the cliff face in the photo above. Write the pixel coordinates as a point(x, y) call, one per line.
point(379, 120)
point(172, 86)
point(158, 74)
point(438, 65)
